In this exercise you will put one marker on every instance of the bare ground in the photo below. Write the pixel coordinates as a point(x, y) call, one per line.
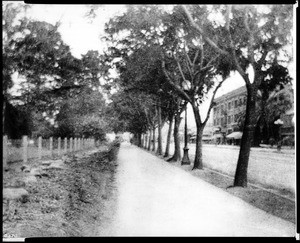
point(77, 200)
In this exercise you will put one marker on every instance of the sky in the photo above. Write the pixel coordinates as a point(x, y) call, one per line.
point(77, 31)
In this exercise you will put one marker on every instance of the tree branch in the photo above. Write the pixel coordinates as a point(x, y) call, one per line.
point(202, 53)
point(251, 39)
point(261, 60)
point(233, 54)
point(182, 107)
point(228, 12)
point(188, 58)
point(190, 70)
point(179, 67)
point(212, 101)
point(180, 92)
point(195, 57)
point(206, 38)
point(62, 88)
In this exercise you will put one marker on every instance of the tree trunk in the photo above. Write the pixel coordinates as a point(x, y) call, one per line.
point(139, 139)
point(145, 140)
point(240, 178)
point(3, 117)
point(177, 153)
point(159, 144)
point(150, 137)
point(198, 163)
point(169, 137)
point(142, 140)
point(153, 146)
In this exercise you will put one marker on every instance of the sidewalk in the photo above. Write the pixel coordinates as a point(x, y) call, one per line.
point(157, 199)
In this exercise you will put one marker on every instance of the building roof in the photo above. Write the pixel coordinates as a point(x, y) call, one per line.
point(231, 94)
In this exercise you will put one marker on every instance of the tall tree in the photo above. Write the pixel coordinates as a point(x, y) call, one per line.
point(276, 78)
point(82, 115)
point(191, 68)
point(249, 37)
point(159, 32)
point(44, 65)
point(128, 113)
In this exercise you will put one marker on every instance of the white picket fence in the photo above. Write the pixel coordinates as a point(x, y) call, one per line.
point(22, 150)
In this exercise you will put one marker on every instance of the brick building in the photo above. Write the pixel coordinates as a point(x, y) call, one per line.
point(227, 110)
point(229, 107)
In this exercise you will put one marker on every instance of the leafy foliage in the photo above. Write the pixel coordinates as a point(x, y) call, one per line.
point(82, 115)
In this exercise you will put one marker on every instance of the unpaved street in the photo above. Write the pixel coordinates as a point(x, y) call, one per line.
point(267, 167)
point(157, 199)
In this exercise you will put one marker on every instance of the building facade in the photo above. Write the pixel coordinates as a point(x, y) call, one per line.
point(232, 106)
point(227, 110)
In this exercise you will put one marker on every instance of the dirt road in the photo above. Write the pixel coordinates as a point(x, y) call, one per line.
point(268, 168)
point(157, 199)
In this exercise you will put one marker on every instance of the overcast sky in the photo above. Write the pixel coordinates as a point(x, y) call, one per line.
point(77, 31)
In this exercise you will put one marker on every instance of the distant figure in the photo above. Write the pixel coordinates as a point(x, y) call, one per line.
point(131, 141)
point(279, 144)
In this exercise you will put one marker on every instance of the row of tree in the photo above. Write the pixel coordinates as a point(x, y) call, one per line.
point(168, 58)
point(165, 58)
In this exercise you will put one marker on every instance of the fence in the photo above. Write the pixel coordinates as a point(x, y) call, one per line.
point(25, 148)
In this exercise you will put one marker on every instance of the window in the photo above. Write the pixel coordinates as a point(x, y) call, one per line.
point(215, 123)
point(229, 105)
point(240, 101)
point(245, 100)
point(235, 118)
point(228, 119)
point(235, 104)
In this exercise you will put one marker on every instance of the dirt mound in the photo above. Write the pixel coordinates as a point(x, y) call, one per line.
point(75, 197)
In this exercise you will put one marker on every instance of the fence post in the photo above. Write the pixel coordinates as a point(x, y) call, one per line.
point(5, 152)
point(40, 147)
point(58, 146)
point(66, 144)
point(51, 146)
point(25, 146)
point(71, 144)
point(75, 144)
